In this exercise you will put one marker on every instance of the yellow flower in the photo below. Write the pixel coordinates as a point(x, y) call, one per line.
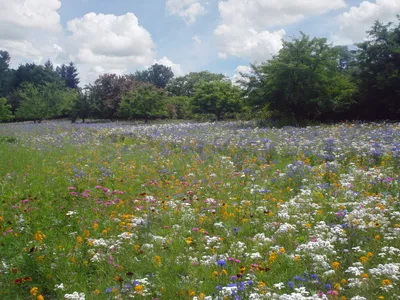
point(224, 272)
point(96, 292)
point(335, 265)
point(282, 250)
point(386, 282)
point(370, 254)
point(364, 276)
point(296, 258)
point(34, 291)
point(363, 259)
point(377, 237)
point(139, 289)
point(202, 296)
point(79, 240)
point(215, 274)
point(189, 240)
point(39, 236)
point(40, 297)
point(381, 297)
point(157, 259)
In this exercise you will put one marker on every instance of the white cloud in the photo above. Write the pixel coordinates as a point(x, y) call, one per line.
point(176, 68)
point(238, 73)
point(358, 20)
point(189, 10)
point(40, 14)
point(29, 29)
point(249, 43)
point(246, 25)
point(110, 43)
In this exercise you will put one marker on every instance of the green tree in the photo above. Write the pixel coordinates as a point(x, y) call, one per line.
point(35, 74)
point(83, 107)
point(5, 73)
point(304, 81)
point(5, 111)
point(218, 98)
point(178, 107)
point(378, 61)
point(33, 105)
point(158, 75)
point(184, 85)
point(145, 102)
point(69, 73)
point(45, 101)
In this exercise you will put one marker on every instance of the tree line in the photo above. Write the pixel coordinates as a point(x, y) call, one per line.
point(308, 80)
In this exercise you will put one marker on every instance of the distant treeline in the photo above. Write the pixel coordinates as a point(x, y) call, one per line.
point(309, 80)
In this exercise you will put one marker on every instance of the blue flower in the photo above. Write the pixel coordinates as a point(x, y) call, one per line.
point(108, 290)
point(328, 286)
point(221, 262)
point(291, 284)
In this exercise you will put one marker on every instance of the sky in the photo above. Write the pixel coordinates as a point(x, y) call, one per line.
point(222, 36)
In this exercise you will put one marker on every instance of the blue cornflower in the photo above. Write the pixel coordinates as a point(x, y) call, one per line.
point(108, 290)
point(291, 284)
point(221, 262)
point(328, 286)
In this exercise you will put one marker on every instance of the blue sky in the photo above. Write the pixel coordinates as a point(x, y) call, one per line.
point(221, 36)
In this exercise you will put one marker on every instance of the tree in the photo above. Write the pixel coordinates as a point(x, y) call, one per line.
point(83, 107)
point(5, 111)
point(107, 91)
point(158, 75)
point(378, 61)
point(216, 97)
point(304, 81)
point(48, 65)
point(35, 74)
point(184, 85)
point(4, 73)
point(69, 73)
point(45, 102)
point(33, 106)
point(178, 107)
point(146, 102)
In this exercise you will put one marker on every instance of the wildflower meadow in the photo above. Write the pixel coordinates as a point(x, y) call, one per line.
point(199, 211)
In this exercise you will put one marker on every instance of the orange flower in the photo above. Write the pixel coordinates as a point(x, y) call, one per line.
point(335, 265)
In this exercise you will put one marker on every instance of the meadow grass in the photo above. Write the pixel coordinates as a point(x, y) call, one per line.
point(199, 211)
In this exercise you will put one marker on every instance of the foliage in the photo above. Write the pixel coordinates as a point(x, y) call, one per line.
point(158, 75)
point(69, 74)
point(83, 107)
point(184, 85)
point(5, 73)
point(5, 110)
point(378, 60)
point(107, 92)
point(303, 81)
point(216, 97)
point(178, 107)
point(35, 74)
point(145, 102)
point(44, 102)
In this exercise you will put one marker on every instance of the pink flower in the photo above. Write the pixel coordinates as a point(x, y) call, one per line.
point(195, 229)
point(71, 188)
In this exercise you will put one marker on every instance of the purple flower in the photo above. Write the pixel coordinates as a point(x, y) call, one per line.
point(291, 284)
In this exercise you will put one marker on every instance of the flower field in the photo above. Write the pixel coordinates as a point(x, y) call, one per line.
point(199, 211)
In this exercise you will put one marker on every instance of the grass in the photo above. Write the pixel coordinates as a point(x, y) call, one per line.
point(199, 210)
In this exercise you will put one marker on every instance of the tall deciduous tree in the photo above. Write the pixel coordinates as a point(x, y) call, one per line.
point(146, 102)
point(304, 81)
point(107, 91)
point(216, 97)
point(378, 61)
point(184, 85)
point(158, 75)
